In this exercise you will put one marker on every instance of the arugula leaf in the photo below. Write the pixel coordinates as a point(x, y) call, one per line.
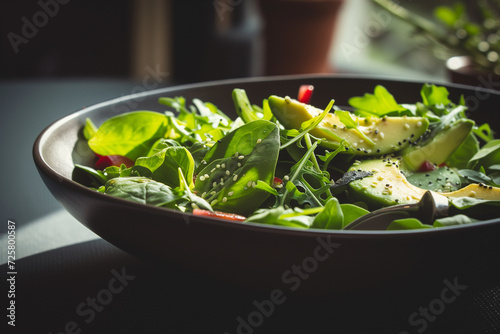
point(346, 118)
point(307, 126)
point(302, 174)
point(380, 103)
point(433, 95)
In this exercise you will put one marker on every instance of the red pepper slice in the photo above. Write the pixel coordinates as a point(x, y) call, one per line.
point(277, 181)
point(427, 166)
point(113, 160)
point(218, 214)
point(305, 93)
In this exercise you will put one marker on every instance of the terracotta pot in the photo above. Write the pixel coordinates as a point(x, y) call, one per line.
point(461, 70)
point(298, 35)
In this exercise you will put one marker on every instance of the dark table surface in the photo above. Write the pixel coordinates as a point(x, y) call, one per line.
point(68, 280)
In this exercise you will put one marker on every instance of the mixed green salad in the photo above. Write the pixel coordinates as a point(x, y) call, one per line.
point(286, 162)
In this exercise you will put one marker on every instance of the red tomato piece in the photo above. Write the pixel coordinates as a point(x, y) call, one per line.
point(219, 214)
point(305, 93)
point(113, 160)
point(427, 166)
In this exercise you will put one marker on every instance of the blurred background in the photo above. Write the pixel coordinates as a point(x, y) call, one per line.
point(208, 40)
point(57, 56)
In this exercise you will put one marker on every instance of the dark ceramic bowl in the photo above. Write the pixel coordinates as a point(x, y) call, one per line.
point(260, 256)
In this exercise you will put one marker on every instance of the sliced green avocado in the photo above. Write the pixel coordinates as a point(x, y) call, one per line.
point(438, 149)
point(388, 134)
point(387, 185)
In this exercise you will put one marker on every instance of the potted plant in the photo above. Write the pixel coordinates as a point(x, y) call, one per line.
point(469, 36)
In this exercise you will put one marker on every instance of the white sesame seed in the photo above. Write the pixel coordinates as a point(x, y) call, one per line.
point(224, 199)
point(419, 124)
point(381, 134)
point(407, 126)
point(213, 170)
point(204, 194)
point(239, 164)
point(241, 157)
point(230, 193)
point(249, 184)
point(235, 177)
point(218, 166)
point(206, 176)
point(254, 184)
point(259, 141)
point(286, 178)
point(214, 184)
point(223, 166)
point(228, 172)
point(202, 178)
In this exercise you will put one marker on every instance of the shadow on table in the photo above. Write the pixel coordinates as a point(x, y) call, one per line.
point(93, 287)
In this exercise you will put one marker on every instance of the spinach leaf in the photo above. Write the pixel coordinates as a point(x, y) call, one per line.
point(464, 153)
point(487, 156)
point(352, 212)
point(130, 135)
point(89, 129)
point(407, 224)
point(146, 191)
point(281, 217)
point(331, 217)
point(231, 169)
point(454, 220)
point(165, 164)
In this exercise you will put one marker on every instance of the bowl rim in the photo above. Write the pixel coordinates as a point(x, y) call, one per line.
point(48, 171)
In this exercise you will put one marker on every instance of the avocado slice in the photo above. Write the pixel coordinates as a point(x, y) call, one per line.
point(439, 148)
point(479, 191)
point(388, 185)
point(388, 134)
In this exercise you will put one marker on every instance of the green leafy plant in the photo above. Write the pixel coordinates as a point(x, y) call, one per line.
point(462, 29)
